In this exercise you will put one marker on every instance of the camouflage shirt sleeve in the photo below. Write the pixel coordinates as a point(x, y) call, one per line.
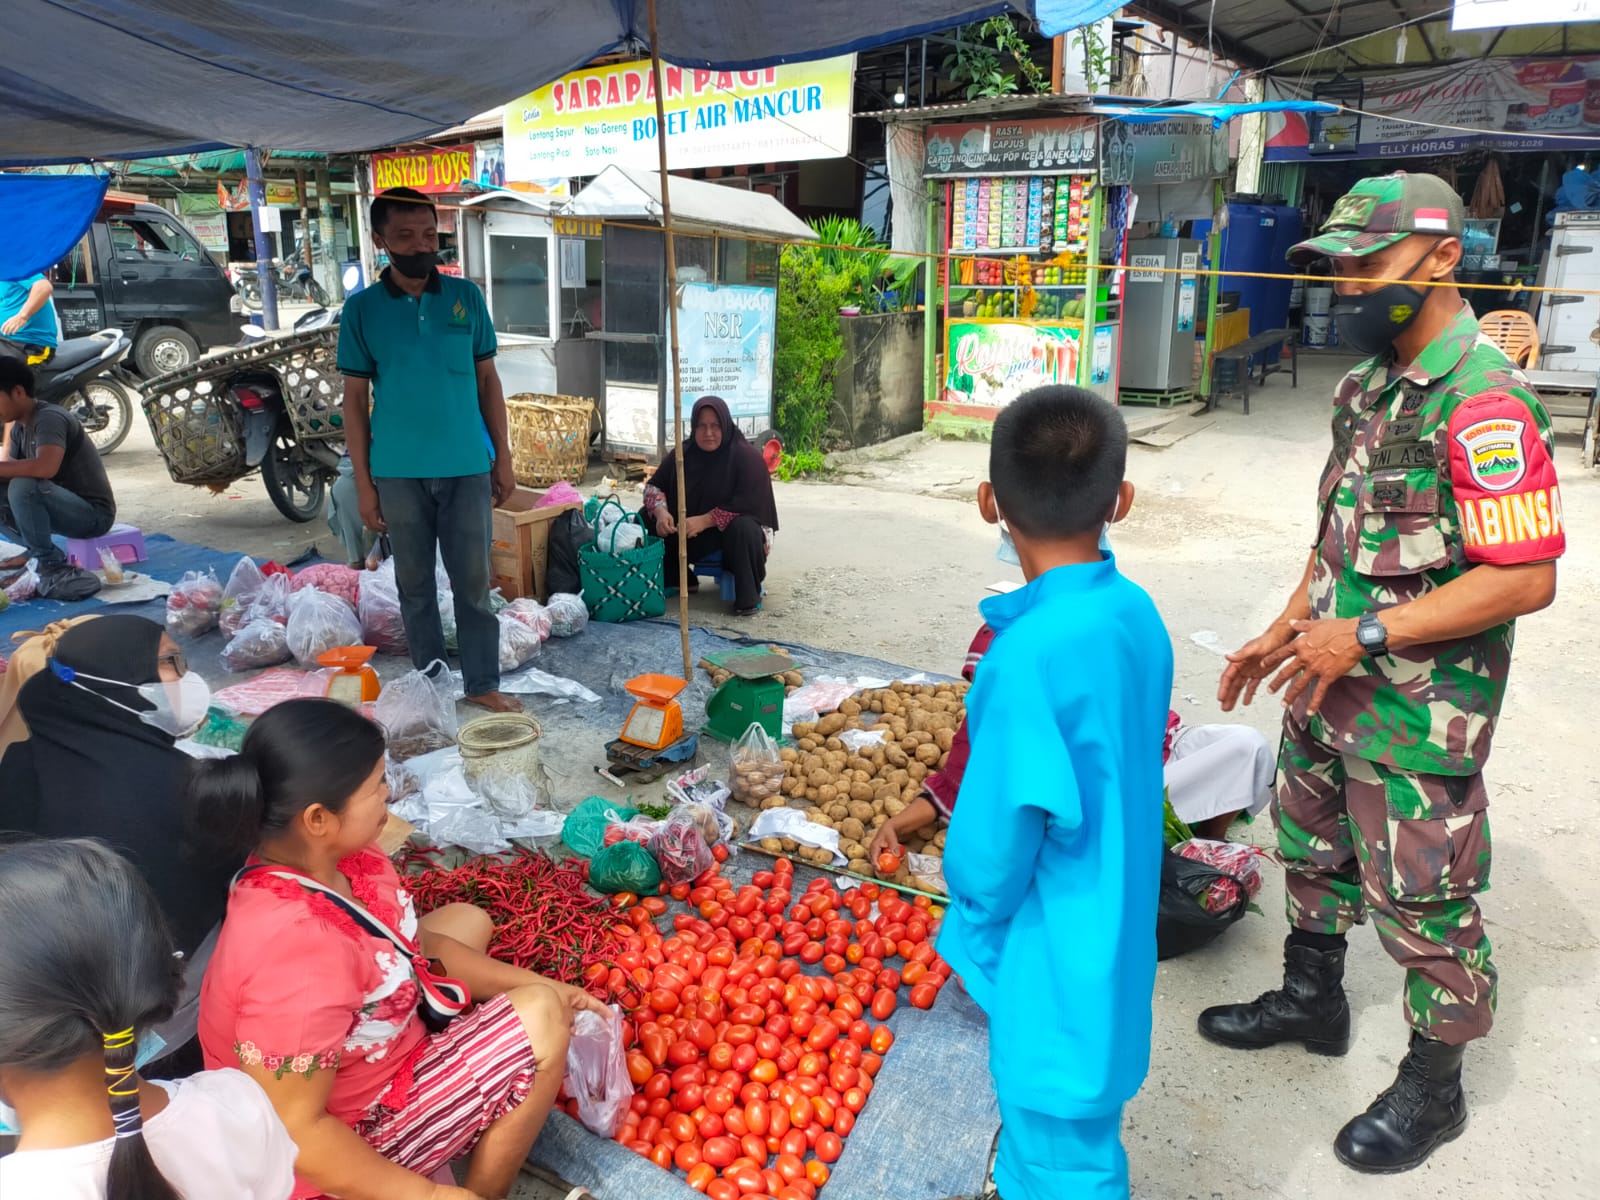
point(1504, 481)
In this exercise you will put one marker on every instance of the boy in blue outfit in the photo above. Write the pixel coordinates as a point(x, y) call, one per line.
point(1054, 852)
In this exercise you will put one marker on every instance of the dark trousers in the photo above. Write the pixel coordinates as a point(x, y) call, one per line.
point(454, 516)
point(37, 508)
point(744, 554)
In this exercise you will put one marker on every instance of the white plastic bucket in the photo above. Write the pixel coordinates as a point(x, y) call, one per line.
point(1318, 331)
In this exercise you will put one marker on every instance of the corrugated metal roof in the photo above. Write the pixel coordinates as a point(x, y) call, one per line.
point(623, 192)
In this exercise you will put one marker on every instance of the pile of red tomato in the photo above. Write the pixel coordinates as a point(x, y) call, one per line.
point(750, 1071)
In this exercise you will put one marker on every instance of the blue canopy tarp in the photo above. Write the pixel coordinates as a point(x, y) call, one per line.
point(1219, 112)
point(44, 216)
point(118, 79)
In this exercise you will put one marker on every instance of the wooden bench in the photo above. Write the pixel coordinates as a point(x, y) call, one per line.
point(1239, 355)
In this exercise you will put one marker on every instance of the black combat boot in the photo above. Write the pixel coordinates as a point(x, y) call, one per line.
point(1424, 1108)
point(1309, 1008)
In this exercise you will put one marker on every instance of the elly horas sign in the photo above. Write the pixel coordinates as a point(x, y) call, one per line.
point(431, 171)
point(592, 119)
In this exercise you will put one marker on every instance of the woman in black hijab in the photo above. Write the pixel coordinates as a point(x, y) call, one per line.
point(93, 767)
point(729, 503)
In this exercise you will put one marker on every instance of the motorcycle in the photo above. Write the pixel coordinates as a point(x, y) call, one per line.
point(295, 282)
point(85, 376)
point(297, 475)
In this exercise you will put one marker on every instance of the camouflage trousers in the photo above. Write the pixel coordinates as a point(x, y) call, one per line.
point(1413, 849)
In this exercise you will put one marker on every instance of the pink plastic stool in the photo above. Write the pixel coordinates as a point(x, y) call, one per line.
point(125, 542)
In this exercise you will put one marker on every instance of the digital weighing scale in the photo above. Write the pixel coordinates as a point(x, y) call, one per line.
point(652, 737)
point(754, 696)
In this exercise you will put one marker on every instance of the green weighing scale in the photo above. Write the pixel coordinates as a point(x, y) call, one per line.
point(754, 696)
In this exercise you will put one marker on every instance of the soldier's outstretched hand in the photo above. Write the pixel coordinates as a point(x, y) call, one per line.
point(1323, 652)
point(1248, 665)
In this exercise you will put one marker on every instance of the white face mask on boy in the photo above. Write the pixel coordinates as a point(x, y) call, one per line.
point(1007, 551)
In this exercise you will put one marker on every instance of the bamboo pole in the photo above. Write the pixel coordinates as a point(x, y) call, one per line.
point(681, 516)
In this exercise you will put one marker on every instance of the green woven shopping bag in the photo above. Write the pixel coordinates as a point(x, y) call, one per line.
point(623, 585)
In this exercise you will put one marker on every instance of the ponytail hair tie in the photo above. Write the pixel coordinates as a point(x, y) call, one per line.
point(122, 1084)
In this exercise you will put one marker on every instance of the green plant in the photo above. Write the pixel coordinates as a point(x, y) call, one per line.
point(807, 345)
point(852, 251)
point(979, 60)
point(804, 462)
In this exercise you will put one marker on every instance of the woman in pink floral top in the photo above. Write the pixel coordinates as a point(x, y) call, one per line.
point(323, 1012)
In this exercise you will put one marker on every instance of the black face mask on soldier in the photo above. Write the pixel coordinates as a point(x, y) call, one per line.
point(415, 266)
point(1370, 322)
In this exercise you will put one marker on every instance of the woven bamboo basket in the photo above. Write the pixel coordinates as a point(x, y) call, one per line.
point(549, 438)
point(198, 429)
point(313, 390)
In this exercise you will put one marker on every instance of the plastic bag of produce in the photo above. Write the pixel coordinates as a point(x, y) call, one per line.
point(418, 713)
point(757, 769)
point(26, 586)
point(271, 603)
point(262, 642)
point(631, 829)
point(244, 584)
point(1240, 864)
point(194, 603)
point(334, 579)
point(532, 614)
point(625, 867)
point(318, 623)
point(597, 1071)
point(382, 626)
point(569, 616)
point(1183, 923)
point(584, 830)
point(680, 849)
point(519, 643)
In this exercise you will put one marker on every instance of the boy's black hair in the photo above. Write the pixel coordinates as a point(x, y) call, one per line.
point(386, 204)
point(1056, 461)
point(14, 373)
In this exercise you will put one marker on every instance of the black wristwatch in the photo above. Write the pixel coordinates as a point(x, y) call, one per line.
point(1374, 638)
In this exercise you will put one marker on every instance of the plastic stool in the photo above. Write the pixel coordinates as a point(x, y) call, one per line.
point(125, 542)
point(710, 567)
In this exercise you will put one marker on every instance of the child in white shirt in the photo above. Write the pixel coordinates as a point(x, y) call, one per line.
point(89, 966)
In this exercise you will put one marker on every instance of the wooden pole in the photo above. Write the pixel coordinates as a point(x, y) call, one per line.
point(681, 516)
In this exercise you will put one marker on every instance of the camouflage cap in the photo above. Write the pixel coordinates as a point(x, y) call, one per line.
point(1379, 211)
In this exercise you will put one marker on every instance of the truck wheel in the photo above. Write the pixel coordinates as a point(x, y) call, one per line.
point(162, 349)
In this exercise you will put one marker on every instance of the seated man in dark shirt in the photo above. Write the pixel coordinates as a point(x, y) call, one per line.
point(51, 482)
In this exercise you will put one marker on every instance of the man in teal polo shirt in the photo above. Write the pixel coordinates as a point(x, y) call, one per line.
point(28, 319)
point(417, 353)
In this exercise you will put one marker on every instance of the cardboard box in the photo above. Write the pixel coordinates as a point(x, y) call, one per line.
point(521, 544)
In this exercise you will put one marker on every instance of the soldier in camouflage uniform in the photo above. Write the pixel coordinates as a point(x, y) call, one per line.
point(1439, 522)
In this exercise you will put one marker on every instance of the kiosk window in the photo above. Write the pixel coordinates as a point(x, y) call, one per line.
point(519, 284)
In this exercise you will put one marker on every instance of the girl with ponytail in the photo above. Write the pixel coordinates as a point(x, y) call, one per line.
point(88, 967)
point(322, 967)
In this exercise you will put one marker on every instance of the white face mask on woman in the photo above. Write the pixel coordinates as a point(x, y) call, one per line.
point(176, 709)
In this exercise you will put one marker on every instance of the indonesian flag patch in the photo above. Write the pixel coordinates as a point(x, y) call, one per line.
point(1494, 453)
point(1429, 219)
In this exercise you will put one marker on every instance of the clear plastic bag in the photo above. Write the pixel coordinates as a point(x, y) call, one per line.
point(757, 769)
point(597, 1071)
point(519, 644)
point(1239, 863)
point(630, 829)
point(418, 713)
point(271, 603)
point(24, 587)
point(262, 642)
point(318, 623)
point(532, 614)
point(193, 605)
point(111, 567)
point(333, 579)
point(680, 849)
point(382, 625)
point(569, 616)
point(244, 585)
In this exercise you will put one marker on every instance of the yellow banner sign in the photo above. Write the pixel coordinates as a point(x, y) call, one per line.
point(591, 119)
point(431, 171)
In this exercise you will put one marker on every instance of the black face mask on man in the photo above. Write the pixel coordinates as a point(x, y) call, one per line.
point(415, 266)
point(1370, 322)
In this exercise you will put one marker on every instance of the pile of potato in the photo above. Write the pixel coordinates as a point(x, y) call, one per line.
point(856, 793)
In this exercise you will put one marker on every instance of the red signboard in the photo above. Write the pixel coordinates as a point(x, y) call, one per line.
point(436, 169)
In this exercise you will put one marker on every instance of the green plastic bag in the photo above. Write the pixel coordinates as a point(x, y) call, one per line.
point(584, 830)
point(624, 867)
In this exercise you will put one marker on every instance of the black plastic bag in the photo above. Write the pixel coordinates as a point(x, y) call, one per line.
point(568, 533)
point(1181, 924)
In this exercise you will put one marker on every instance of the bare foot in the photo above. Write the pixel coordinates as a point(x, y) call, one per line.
point(496, 702)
